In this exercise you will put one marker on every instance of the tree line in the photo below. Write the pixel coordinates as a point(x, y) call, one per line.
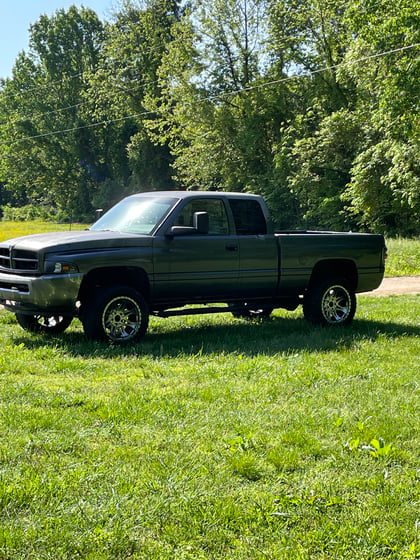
point(314, 105)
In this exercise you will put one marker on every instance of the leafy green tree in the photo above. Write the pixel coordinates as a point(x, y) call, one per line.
point(127, 72)
point(309, 42)
point(214, 111)
point(310, 38)
point(354, 157)
point(384, 190)
point(314, 105)
point(73, 135)
point(45, 141)
point(321, 169)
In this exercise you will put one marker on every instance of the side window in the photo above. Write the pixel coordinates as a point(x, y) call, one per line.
point(249, 217)
point(218, 221)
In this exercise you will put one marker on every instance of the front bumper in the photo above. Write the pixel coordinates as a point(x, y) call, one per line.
point(31, 294)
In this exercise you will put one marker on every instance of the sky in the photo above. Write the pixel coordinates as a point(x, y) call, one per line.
point(17, 15)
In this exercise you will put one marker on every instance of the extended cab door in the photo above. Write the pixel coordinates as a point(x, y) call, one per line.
point(191, 266)
point(258, 250)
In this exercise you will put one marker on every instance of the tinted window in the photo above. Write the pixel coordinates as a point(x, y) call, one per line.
point(249, 217)
point(218, 222)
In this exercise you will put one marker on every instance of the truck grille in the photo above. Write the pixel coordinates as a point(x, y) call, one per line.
point(18, 260)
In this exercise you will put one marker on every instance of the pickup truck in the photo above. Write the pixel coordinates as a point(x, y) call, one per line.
point(183, 252)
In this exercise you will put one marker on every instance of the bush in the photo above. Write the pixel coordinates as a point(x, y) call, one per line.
point(26, 213)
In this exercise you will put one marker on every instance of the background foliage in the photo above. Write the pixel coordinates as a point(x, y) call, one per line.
point(313, 104)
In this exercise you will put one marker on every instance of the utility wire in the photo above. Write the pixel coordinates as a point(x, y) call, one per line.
point(320, 70)
point(62, 109)
point(64, 131)
point(67, 79)
point(22, 118)
point(219, 96)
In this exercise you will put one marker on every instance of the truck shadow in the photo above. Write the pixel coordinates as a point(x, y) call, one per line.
point(269, 337)
point(277, 335)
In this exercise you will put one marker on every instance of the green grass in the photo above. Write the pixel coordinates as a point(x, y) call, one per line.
point(214, 438)
point(10, 230)
point(403, 257)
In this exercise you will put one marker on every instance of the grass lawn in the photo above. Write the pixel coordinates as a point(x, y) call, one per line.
point(9, 230)
point(214, 438)
point(404, 257)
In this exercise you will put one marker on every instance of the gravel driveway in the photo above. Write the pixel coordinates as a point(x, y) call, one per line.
point(397, 286)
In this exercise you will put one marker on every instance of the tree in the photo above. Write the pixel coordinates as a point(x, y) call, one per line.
point(74, 134)
point(384, 191)
point(127, 72)
point(310, 38)
point(354, 157)
point(214, 112)
point(45, 140)
point(313, 105)
point(308, 43)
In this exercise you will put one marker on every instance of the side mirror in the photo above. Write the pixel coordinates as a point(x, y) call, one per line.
point(200, 226)
point(201, 222)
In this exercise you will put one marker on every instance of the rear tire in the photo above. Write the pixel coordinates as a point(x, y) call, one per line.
point(46, 324)
point(330, 302)
point(118, 314)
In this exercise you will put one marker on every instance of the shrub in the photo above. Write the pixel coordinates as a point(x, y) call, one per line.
point(26, 213)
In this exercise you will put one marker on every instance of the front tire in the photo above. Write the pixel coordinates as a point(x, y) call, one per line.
point(45, 324)
point(330, 302)
point(117, 314)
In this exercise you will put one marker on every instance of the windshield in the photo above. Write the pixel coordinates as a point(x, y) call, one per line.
point(135, 215)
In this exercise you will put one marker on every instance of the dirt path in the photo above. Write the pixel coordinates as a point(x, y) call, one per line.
point(397, 286)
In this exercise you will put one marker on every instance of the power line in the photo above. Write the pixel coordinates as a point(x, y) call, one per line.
point(326, 69)
point(220, 96)
point(48, 84)
point(75, 106)
point(72, 129)
point(67, 79)
point(62, 109)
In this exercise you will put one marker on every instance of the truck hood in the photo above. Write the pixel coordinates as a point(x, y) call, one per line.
point(77, 240)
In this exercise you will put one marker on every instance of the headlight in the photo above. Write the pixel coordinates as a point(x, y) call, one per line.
point(65, 268)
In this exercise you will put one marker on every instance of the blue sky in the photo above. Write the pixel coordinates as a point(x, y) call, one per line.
point(17, 15)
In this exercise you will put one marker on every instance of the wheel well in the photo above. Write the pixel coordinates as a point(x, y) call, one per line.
point(113, 276)
point(342, 268)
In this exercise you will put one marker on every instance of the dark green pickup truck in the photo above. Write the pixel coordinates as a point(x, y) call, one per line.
point(158, 253)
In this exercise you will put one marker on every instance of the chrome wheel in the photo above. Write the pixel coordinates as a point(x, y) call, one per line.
point(121, 319)
point(336, 305)
point(48, 324)
point(118, 314)
point(330, 302)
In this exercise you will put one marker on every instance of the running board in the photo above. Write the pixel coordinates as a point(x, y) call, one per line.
point(285, 303)
point(192, 311)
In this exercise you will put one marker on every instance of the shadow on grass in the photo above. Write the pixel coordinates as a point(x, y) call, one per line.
point(207, 337)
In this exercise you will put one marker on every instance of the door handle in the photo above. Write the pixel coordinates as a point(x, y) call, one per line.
point(231, 248)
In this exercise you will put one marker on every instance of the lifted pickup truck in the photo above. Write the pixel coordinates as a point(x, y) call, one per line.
point(158, 253)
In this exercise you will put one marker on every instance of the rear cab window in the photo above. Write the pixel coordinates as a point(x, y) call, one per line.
point(248, 217)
